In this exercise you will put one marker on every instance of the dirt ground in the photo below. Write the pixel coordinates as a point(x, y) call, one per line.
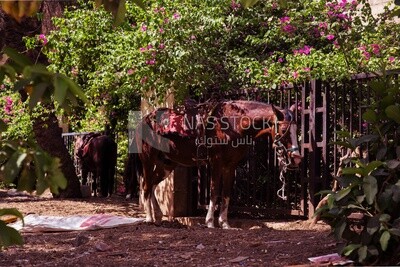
point(256, 243)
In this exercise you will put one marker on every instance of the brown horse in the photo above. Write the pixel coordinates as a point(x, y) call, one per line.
point(219, 136)
point(97, 154)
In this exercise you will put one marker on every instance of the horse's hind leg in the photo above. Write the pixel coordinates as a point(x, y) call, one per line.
point(215, 187)
point(228, 179)
point(161, 171)
point(147, 187)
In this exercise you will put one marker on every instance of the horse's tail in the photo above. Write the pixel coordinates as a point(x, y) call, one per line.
point(109, 161)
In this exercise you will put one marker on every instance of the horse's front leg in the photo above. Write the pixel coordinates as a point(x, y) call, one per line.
point(147, 188)
point(228, 179)
point(215, 186)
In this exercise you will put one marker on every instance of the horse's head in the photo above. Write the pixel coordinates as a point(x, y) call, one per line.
point(284, 136)
point(78, 147)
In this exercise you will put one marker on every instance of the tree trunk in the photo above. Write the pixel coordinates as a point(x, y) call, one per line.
point(45, 127)
point(48, 136)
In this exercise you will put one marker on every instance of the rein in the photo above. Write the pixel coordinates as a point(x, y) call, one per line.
point(283, 153)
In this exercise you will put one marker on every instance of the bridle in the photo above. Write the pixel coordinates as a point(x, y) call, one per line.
point(283, 152)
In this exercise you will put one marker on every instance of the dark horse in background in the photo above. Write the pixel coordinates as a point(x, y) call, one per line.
point(217, 134)
point(97, 154)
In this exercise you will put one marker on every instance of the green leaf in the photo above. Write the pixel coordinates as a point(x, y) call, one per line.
point(248, 3)
point(373, 225)
point(372, 166)
point(14, 212)
point(3, 126)
point(365, 139)
point(381, 152)
point(350, 248)
point(37, 93)
point(342, 193)
point(394, 231)
point(39, 69)
point(18, 58)
point(370, 187)
point(27, 180)
point(60, 89)
point(384, 218)
point(10, 71)
point(393, 112)
point(384, 240)
point(352, 170)
point(339, 229)
point(13, 166)
point(362, 253)
point(74, 88)
point(370, 116)
point(393, 164)
point(9, 236)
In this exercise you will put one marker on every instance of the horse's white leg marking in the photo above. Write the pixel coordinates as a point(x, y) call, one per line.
point(210, 213)
point(157, 214)
point(223, 214)
point(147, 208)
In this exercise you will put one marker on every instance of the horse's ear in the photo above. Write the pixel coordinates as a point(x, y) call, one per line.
point(278, 113)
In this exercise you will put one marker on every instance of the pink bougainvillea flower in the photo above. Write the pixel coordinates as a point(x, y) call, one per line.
point(8, 105)
point(176, 15)
point(43, 39)
point(130, 71)
point(235, 6)
point(193, 37)
point(285, 19)
point(161, 46)
point(289, 28)
point(143, 80)
point(143, 49)
point(376, 49)
point(330, 37)
point(295, 74)
point(323, 25)
point(307, 69)
point(144, 27)
point(280, 60)
point(305, 50)
point(151, 62)
point(367, 55)
point(336, 44)
point(149, 47)
point(391, 59)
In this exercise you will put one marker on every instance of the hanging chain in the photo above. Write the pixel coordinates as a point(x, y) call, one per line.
point(281, 192)
point(281, 151)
